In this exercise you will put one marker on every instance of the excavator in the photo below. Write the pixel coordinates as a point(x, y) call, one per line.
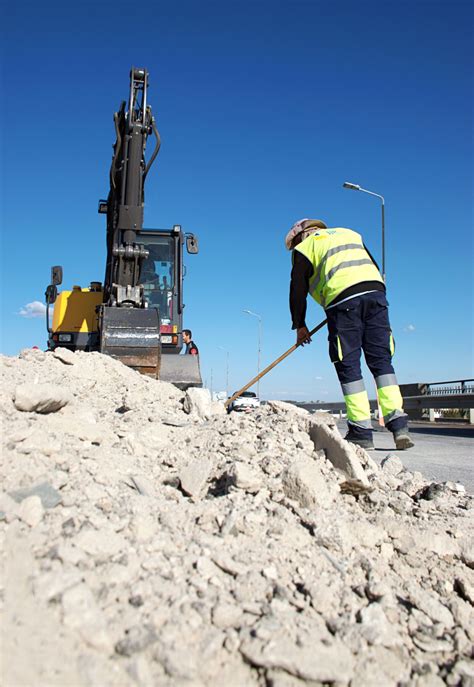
point(136, 315)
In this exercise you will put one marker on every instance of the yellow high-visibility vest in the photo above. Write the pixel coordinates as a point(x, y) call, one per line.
point(339, 261)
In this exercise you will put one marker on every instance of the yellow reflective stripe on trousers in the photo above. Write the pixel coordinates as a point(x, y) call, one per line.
point(392, 345)
point(358, 407)
point(339, 348)
point(390, 399)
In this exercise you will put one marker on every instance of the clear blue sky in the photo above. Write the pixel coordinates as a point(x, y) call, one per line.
point(265, 109)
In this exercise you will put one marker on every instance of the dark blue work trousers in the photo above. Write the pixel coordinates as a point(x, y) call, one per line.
point(362, 324)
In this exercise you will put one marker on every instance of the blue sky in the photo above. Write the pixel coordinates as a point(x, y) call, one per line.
point(265, 109)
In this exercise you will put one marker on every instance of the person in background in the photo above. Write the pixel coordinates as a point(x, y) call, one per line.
point(191, 348)
point(335, 267)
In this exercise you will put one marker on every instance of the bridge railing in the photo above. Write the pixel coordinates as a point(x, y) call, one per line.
point(457, 386)
point(455, 394)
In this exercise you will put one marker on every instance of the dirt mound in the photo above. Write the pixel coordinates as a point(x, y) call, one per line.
point(149, 538)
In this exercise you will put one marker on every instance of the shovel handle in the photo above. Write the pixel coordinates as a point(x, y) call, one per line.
point(271, 366)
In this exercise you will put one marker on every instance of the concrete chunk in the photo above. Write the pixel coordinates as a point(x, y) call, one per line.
point(245, 477)
point(198, 402)
point(376, 628)
point(194, 476)
point(41, 398)
point(338, 451)
point(101, 544)
point(303, 482)
point(50, 497)
point(320, 663)
point(392, 464)
point(31, 511)
point(288, 408)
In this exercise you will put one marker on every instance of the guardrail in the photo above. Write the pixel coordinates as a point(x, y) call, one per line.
point(445, 395)
point(456, 387)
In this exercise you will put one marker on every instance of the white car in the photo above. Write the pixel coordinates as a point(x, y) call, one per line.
point(245, 403)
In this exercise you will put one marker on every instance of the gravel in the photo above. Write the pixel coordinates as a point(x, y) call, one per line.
point(148, 538)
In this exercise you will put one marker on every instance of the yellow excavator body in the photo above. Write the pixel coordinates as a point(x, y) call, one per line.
point(75, 311)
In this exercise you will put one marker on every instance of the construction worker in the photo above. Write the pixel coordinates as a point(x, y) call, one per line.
point(191, 348)
point(335, 267)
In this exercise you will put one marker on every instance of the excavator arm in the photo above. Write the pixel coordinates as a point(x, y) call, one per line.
point(125, 202)
point(129, 329)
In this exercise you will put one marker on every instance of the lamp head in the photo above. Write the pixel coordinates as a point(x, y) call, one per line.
point(354, 187)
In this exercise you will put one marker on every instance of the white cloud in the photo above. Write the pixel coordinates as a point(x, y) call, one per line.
point(34, 309)
point(409, 328)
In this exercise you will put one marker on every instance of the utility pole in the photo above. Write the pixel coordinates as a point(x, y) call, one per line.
point(259, 348)
point(226, 371)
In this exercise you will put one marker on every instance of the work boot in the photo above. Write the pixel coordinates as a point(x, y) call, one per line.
point(402, 439)
point(368, 444)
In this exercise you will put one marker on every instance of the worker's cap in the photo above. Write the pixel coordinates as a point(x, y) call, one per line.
point(303, 226)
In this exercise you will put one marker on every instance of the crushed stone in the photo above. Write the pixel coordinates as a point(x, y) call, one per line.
point(148, 538)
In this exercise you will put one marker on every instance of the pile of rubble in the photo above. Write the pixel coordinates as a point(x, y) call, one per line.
point(151, 539)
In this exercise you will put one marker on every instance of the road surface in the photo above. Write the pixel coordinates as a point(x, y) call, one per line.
point(441, 452)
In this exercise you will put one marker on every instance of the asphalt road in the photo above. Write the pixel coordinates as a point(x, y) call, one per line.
point(441, 452)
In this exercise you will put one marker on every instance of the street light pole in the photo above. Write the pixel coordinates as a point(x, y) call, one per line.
point(226, 371)
point(383, 240)
point(254, 314)
point(356, 187)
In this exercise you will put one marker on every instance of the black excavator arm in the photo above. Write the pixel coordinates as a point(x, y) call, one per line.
point(128, 329)
point(125, 202)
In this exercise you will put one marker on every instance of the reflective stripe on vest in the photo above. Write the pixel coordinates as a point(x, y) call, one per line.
point(339, 261)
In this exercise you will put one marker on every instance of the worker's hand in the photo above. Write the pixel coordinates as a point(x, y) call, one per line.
point(302, 336)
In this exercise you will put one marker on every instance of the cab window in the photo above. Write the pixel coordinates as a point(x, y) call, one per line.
point(157, 275)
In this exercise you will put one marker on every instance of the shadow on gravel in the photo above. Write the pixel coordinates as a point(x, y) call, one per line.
point(219, 486)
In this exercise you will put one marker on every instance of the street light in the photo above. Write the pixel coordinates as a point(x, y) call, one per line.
point(356, 187)
point(254, 314)
point(226, 370)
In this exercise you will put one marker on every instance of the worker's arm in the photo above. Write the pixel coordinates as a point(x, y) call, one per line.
point(299, 287)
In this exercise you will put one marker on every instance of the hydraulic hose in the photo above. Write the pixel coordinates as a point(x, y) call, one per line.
point(157, 148)
point(118, 143)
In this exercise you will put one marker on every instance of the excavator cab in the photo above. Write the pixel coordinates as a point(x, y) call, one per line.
point(161, 275)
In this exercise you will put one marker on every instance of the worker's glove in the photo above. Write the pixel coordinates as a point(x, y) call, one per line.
point(302, 336)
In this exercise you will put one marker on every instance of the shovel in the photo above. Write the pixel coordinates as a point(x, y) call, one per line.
point(271, 366)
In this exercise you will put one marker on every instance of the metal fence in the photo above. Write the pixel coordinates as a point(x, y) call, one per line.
point(455, 394)
point(457, 386)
